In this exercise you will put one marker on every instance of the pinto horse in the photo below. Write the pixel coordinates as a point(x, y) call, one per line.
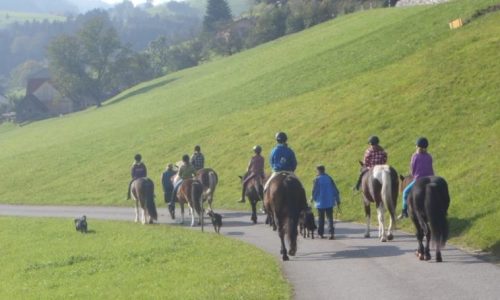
point(209, 179)
point(380, 185)
point(190, 192)
point(428, 202)
point(142, 190)
point(284, 199)
point(254, 192)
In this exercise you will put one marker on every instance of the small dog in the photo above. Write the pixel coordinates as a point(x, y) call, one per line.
point(216, 220)
point(307, 223)
point(81, 224)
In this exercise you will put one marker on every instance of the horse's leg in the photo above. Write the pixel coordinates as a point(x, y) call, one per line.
point(281, 232)
point(367, 216)
point(420, 237)
point(392, 221)
point(191, 211)
point(136, 211)
point(427, 245)
point(182, 213)
point(439, 258)
point(143, 216)
point(381, 226)
point(254, 211)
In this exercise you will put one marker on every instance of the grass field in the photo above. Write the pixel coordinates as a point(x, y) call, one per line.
point(47, 259)
point(10, 17)
point(398, 73)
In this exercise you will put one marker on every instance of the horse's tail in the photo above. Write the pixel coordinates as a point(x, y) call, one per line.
point(196, 196)
point(212, 182)
point(150, 199)
point(295, 199)
point(437, 200)
point(388, 196)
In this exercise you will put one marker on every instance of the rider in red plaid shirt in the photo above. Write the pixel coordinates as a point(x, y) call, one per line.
point(374, 155)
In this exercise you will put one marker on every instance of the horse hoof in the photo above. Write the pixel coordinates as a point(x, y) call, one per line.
point(427, 257)
point(439, 258)
point(292, 252)
point(383, 240)
point(367, 235)
point(285, 258)
point(390, 237)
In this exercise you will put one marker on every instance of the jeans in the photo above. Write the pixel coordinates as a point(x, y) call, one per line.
point(321, 220)
point(406, 192)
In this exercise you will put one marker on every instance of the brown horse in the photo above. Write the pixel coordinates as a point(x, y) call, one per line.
point(190, 192)
point(142, 191)
point(254, 191)
point(428, 201)
point(284, 199)
point(209, 179)
point(379, 185)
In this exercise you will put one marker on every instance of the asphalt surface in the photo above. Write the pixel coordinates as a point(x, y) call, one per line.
point(349, 267)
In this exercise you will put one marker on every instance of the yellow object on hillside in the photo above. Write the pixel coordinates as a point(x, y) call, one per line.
point(457, 23)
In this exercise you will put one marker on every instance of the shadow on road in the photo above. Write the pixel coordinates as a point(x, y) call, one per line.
point(358, 252)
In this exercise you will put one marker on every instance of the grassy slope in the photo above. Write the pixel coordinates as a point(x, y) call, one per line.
point(9, 17)
point(399, 73)
point(47, 259)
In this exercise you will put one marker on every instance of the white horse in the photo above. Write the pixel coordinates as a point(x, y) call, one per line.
point(143, 192)
point(380, 185)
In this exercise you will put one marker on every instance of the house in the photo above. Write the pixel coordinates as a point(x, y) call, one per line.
point(42, 99)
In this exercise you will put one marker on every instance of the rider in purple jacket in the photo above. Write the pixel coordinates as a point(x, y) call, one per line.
point(138, 170)
point(421, 166)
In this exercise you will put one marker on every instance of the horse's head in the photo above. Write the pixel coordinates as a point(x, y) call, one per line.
point(404, 181)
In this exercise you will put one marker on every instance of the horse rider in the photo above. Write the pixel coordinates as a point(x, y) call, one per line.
point(374, 155)
point(186, 171)
point(420, 166)
point(325, 195)
point(255, 170)
point(197, 159)
point(137, 170)
point(282, 158)
point(168, 187)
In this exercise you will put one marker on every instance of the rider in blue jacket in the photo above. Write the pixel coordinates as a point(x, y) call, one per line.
point(282, 157)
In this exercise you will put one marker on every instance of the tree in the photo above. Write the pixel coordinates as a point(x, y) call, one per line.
point(218, 13)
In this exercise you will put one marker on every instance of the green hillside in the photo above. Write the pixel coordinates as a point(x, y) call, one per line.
point(10, 17)
point(399, 73)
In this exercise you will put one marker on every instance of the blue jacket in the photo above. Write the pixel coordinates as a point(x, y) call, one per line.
point(283, 159)
point(166, 182)
point(325, 192)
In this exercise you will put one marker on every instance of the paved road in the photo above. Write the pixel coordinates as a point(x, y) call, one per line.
point(350, 267)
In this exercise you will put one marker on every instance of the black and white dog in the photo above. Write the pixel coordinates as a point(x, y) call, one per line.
point(81, 224)
point(216, 220)
point(307, 224)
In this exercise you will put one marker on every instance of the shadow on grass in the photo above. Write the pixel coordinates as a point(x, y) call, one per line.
point(458, 226)
point(140, 91)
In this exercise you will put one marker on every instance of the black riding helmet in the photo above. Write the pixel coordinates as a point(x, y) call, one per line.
point(373, 140)
point(138, 157)
point(422, 142)
point(281, 137)
point(197, 148)
point(185, 158)
point(257, 149)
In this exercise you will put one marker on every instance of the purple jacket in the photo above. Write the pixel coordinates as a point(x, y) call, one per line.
point(421, 165)
point(138, 170)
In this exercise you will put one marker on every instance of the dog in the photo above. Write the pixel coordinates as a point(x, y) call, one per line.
point(81, 224)
point(307, 223)
point(216, 220)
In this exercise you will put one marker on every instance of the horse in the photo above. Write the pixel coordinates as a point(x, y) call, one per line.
point(142, 190)
point(284, 199)
point(379, 184)
point(209, 179)
point(191, 192)
point(428, 202)
point(254, 191)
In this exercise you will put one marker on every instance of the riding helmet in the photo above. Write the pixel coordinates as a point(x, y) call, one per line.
point(422, 142)
point(281, 137)
point(373, 140)
point(257, 149)
point(197, 148)
point(138, 157)
point(185, 158)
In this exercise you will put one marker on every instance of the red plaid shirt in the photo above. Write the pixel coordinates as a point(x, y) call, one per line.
point(375, 155)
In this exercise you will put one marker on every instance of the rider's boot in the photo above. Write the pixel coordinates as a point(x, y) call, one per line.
point(404, 214)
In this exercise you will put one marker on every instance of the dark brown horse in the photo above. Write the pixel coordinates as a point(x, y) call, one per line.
point(142, 191)
point(209, 179)
point(284, 199)
point(190, 192)
point(379, 185)
point(254, 191)
point(428, 201)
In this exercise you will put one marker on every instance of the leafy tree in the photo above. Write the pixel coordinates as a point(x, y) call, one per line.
point(217, 14)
